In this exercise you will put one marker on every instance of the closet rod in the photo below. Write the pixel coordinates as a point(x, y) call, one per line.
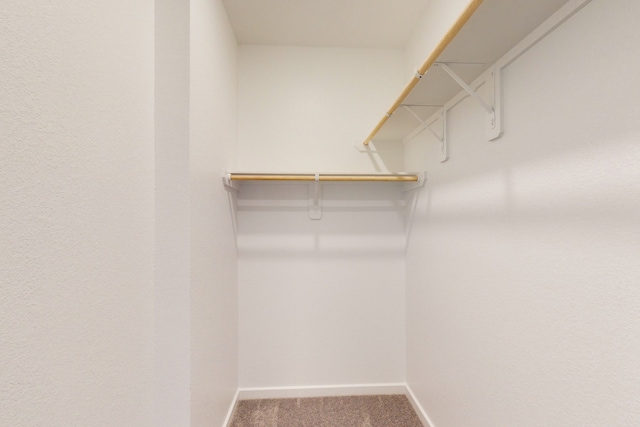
point(323, 177)
point(448, 37)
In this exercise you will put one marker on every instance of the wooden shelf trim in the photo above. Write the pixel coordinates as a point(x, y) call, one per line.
point(325, 177)
point(428, 63)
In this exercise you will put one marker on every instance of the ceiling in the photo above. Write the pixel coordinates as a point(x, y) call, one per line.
point(330, 23)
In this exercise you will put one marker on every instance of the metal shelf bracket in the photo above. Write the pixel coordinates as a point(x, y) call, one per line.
point(494, 84)
point(444, 149)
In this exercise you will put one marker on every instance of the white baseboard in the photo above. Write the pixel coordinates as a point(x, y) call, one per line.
point(232, 408)
point(422, 414)
point(321, 391)
point(330, 390)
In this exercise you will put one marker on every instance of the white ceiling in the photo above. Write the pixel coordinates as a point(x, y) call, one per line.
point(331, 23)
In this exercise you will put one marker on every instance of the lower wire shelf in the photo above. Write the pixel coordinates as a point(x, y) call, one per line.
point(321, 177)
point(411, 181)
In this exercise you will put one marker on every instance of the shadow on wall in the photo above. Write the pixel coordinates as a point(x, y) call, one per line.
point(357, 218)
point(555, 161)
point(385, 155)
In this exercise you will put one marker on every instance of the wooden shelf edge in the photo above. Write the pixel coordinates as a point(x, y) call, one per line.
point(428, 63)
point(325, 177)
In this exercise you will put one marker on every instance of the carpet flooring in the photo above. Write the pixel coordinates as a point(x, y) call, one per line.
point(346, 411)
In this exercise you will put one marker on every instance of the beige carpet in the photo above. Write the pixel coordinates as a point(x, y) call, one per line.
point(348, 411)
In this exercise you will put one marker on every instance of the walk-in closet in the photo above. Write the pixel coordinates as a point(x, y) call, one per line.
point(429, 206)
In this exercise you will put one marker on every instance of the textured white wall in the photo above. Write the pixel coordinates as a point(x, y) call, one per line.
point(321, 302)
point(523, 276)
point(303, 109)
point(214, 296)
point(172, 221)
point(76, 213)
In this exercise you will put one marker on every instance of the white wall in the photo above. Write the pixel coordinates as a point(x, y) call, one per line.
point(80, 86)
point(303, 109)
point(196, 260)
point(172, 221)
point(522, 270)
point(76, 213)
point(214, 295)
point(321, 302)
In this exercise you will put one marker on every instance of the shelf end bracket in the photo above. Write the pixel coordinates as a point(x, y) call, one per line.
point(228, 184)
point(422, 179)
